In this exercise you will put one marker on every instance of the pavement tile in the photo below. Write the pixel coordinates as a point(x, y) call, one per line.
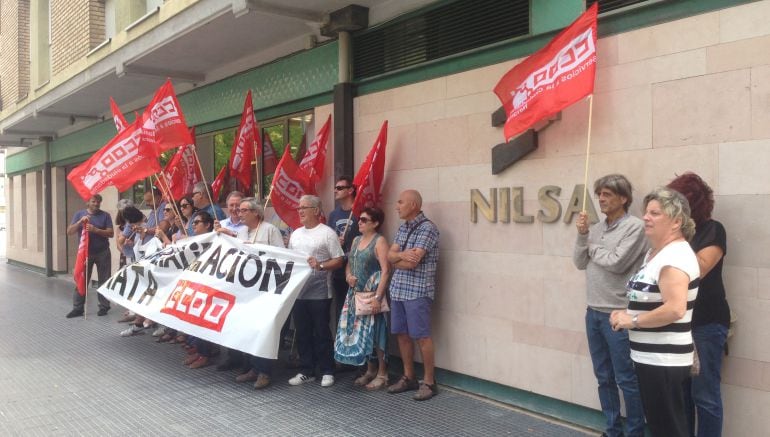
point(66, 377)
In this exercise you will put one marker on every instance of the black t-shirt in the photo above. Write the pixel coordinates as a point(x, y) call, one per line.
point(711, 305)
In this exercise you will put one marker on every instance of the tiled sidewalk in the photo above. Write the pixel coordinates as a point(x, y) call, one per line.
point(79, 377)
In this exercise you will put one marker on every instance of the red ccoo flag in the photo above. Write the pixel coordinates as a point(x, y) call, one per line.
point(79, 273)
point(163, 123)
point(120, 121)
point(551, 79)
point(289, 184)
point(182, 171)
point(368, 180)
point(315, 158)
point(121, 162)
point(219, 182)
point(242, 153)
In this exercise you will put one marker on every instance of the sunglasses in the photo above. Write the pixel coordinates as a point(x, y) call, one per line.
point(302, 208)
point(365, 220)
point(167, 209)
point(184, 205)
point(342, 187)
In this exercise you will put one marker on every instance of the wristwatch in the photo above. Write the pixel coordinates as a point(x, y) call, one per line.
point(635, 321)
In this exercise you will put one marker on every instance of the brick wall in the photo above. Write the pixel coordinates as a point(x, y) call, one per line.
point(77, 26)
point(14, 51)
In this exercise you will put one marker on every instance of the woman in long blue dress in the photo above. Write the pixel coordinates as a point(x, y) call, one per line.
point(363, 339)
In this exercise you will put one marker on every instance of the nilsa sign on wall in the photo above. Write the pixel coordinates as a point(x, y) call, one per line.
point(216, 288)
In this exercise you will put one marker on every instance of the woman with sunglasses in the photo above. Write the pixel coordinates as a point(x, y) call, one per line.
point(187, 209)
point(169, 225)
point(364, 339)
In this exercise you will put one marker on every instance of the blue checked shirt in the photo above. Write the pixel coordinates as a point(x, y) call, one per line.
point(420, 281)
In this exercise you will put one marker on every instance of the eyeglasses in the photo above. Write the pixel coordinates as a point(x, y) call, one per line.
point(197, 222)
point(342, 187)
point(365, 220)
point(246, 209)
point(302, 208)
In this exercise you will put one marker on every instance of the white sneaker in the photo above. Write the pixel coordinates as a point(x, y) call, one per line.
point(300, 379)
point(160, 331)
point(132, 330)
point(327, 381)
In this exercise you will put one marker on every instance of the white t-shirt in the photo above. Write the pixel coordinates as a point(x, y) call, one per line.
point(320, 242)
point(669, 345)
point(265, 233)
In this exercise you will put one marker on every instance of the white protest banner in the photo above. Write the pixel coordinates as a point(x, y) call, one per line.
point(216, 288)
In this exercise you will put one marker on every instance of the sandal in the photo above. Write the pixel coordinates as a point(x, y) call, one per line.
point(378, 383)
point(364, 379)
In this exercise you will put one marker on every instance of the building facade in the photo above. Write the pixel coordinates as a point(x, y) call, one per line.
point(681, 85)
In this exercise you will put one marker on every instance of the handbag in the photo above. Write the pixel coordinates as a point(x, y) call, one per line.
point(364, 298)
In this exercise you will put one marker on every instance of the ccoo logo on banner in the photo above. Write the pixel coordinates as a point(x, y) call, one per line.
point(217, 288)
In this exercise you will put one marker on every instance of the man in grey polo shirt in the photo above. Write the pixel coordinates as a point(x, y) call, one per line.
point(610, 251)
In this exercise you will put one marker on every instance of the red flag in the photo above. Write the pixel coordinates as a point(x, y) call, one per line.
point(219, 182)
point(551, 79)
point(242, 153)
point(120, 121)
point(79, 274)
point(289, 184)
point(368, 180)
point(270, 160)
point(163, 122)
point(315, 158)
point(182, 171)
point(121, 162)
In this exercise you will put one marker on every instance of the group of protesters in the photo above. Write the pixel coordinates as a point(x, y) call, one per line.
point(655, 295)
point(657, 317)
point(350, 261)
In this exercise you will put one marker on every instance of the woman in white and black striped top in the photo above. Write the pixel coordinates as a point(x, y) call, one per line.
point(661, 297)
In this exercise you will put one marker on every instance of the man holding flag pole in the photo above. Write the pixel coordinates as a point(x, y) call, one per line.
point(98, 225)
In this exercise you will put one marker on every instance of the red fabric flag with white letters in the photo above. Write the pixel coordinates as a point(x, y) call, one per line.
point(121, 162)
point(242, 153)
point(315, 157)
point(368, 180)
point(79, 273)
point(551, 79)
point(163, 123)
point(182, 171)
point(120, 121)
point(289, 184)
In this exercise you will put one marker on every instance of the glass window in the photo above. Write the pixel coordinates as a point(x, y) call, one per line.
point(277, 133)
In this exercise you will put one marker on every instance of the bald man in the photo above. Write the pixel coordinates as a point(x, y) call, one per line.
point(414, 255)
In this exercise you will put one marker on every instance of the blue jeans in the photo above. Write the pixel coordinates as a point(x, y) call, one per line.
point(611, 357)
point(705, 396)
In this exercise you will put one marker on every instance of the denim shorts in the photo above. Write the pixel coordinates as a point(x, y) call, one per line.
point(411, 317)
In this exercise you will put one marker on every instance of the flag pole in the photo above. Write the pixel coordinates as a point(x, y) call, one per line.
point(85, 296)
point(588, 150)
point(203, 177)
point(167, 192)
